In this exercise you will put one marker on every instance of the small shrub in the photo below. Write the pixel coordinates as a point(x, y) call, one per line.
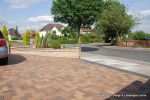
point(55, 44)
point(5, 34)
point(138, 35)
point(73, 35)
point(16, 38)
point(85, 39)
point(48, 40)
point(37, 40)
point(130, 36)
point(42, 42)
point(21, 37)
point(26, 38)
point(73, 41)
point(54, 36)
point(147, 36)
point(91, 38)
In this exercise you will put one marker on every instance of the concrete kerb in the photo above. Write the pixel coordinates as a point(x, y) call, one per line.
point(126, 48)
point(121, 70)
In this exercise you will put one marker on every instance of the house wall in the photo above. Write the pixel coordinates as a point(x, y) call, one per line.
point(9, 37)
point(42, 33)
point(84, 32)
point(58, 33)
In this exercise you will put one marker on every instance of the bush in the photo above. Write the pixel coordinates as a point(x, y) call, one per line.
point(69, 32)
point(74, 41)
point(16, 38)
point(147, 36)
point(85, 39)
point(37, 40)
point(48, 39)
point(73, 35)
point(139, 35)
point(42, 42)
point(130, 36)
point(91, 38)
point(55, 44)
point(53, 35)
point(26, 38)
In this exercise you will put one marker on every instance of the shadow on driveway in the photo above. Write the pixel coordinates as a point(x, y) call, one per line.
point(15, 59)
point(88, 49)
point(135, 91)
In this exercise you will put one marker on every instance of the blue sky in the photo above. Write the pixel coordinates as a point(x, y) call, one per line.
point(34, 14)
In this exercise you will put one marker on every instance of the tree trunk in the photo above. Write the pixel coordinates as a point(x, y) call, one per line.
point(118, 36)
point(79, 39)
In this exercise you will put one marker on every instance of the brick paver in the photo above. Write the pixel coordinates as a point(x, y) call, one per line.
point(43, 78)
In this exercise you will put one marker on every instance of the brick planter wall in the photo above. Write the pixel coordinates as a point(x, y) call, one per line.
point(65, 53)
point(134, 43)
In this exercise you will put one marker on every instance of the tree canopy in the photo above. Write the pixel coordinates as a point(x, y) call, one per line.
point(76, 13)
point(114, 21)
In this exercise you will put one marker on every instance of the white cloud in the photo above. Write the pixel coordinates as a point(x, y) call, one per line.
point(41, 19)
point(36, 27)
point(38, 22)
point(21, 3)
point(145, 12)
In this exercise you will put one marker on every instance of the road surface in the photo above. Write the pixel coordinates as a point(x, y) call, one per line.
point(127, 54)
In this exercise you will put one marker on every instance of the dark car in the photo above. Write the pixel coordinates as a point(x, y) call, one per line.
point(3, 50)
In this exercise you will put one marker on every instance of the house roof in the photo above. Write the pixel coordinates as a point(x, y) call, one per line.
point(32, 32)
point(49, 27)
point(12, 32)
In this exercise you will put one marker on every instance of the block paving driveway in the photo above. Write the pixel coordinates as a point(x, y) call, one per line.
point(29, 77)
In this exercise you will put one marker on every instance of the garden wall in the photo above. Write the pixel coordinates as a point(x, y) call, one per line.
point(64, 53)
point(134, 43)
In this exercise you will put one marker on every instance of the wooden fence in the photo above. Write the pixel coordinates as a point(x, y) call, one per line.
point(134, 43)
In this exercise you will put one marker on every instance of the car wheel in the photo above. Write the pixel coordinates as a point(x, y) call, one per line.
point(4, 61)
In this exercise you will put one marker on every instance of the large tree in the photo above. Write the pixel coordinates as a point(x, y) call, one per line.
point(114, 21)
point(77, 13)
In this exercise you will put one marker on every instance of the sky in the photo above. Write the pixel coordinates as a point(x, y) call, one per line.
point(34, 14)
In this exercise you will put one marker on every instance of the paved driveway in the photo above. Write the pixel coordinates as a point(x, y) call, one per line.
point(43, 78)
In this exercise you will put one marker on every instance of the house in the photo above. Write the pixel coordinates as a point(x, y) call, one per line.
point(85, 30)
point(51, 28)
point(32, 33)
point(13, 32)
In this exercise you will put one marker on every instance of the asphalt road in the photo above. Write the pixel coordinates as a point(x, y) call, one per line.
point(127, 54)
